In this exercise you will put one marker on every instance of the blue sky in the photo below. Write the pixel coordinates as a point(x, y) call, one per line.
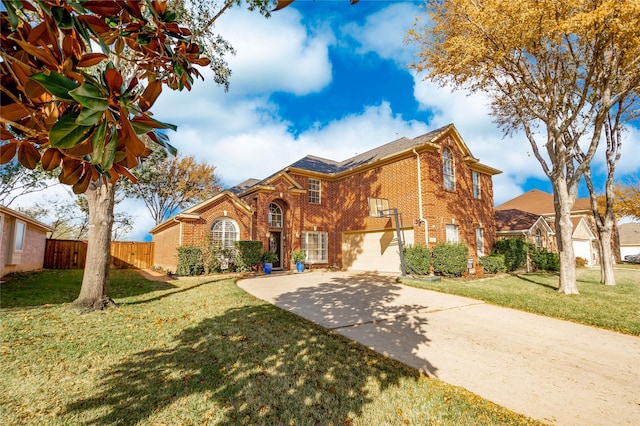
point(329, 79)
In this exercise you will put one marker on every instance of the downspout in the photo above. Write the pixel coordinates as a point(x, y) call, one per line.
point(422, 218)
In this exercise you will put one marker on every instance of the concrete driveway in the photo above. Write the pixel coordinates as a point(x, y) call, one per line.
point(551, 370)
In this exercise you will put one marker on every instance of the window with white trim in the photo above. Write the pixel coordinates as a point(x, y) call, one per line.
point(476, 184)
point(452, 234)
point(377, 206)
point(275, 216)
point(225, 232)
point(480, 242)
point(315, 246)
point(538, 239)
point(315, 188)
point(18, 236)
point(448, 170)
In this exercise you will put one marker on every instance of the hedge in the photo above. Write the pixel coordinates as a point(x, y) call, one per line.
point(450, 260)
point(514, 251)
point(417, 260)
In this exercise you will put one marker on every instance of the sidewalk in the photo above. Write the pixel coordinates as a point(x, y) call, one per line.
point(555, 371)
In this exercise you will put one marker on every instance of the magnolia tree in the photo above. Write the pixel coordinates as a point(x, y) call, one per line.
point(557, 71)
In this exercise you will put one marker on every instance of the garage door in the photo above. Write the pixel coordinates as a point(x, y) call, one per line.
point(373, 251)
point(582, 249)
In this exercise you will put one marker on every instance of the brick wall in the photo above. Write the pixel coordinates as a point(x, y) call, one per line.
point(32, 255)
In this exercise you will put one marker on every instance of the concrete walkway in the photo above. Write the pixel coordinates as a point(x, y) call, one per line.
point(551, 370)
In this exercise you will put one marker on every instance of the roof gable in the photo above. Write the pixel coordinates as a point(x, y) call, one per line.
point(581, 230)
point(514, 220)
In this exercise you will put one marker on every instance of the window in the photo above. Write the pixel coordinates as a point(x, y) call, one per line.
point(377, 206)
point(314, 191)
point(275, 216)
point(476, 184)
point(480, 242)
point(18, 241)
point(538, 239)
point(314, 245)
point(448, 170)
point(225, 232)
point(452, 234)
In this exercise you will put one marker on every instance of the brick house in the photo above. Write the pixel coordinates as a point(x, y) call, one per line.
point(23, 242)
point(337, 212)
point(539, 204)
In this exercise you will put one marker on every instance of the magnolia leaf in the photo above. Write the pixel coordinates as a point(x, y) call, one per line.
point(152, 123)
point(89, 96)
point(150, 94)
point(62, 17)
point(110, 150)
point(113, 79)
point(81, 186)
point(28, 155)
point(66, 133)
point(14, 112)
point(89, 117)
point(56, 84)
point(91, 59)
point(51, 159)
point(163, 140)
point(98, 139)
point(7, 152)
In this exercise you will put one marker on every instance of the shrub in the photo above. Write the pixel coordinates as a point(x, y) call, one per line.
point(514, 251)
point(450, 260)
point(190, 261)
point(417, 260)
point(493, 264)
point(545, 260)
point(581, 261)
point(269, 257)
point(249, 254)
point(216, 258)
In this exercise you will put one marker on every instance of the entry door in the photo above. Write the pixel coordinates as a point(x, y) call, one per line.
point(275, 245)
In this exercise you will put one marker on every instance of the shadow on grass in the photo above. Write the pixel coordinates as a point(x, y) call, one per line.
point(173, 293)
point(52, 287)
point(530, 278)
point(365, 308)
point(249, 365)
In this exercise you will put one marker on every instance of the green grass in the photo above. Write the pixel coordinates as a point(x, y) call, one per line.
point(200, 351)
point(615, 308)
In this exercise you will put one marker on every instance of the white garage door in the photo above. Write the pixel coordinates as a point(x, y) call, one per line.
point(373, 251)
point(582, 248)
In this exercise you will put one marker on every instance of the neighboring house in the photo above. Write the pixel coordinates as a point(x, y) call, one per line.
point(629, 238)
point(339, 212)
point(540, 204)
point(23, 242)
point(532, 227)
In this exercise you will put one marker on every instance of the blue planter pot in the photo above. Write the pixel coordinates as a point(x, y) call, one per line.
point(300, 266)
point(267, 267)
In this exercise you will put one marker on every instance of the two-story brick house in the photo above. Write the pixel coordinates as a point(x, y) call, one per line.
point(337, 212)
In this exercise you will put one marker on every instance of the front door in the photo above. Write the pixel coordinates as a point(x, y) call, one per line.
point(275, 246)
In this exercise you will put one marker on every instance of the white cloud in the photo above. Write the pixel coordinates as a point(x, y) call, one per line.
point(384, 32)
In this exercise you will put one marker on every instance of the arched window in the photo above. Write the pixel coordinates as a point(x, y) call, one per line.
point(538, 239)
point(448, 170)
point(224, 232)
point(275, 216)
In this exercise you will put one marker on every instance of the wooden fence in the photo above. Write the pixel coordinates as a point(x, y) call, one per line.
point(72, 254)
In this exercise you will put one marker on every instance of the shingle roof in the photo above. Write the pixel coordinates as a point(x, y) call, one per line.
point(515, 220)
point(629, 233)
point(244, 185)
point(540, 203)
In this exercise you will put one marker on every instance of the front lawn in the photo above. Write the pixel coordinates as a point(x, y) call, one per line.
point(615, 308)
point(200, 351)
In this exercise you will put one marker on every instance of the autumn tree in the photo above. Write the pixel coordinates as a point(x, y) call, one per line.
point(553, 70)
point(169, 183)
point(627, 198)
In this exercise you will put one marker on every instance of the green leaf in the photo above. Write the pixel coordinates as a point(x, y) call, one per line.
point(62, 17)
point(89, 117)
point(110, 150)
point(11, 12)
point(163, 140)
point(99, 137)
point(56, 84)
point(89, 96)
point(66, 133)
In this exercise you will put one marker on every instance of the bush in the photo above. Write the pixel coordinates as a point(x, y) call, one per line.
point(514, 251)
point(417, 260)
point(189, 261)
point(450, 260)
point(493, 264)
point(249, 255)
point(544, 260)
point(216, 258)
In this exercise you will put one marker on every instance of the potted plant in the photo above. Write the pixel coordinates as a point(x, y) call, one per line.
point(268, 257)
point(298, 256)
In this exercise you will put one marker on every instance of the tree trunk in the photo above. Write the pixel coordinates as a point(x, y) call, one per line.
point(564, 235)
point(607, 276)
point(94, 293)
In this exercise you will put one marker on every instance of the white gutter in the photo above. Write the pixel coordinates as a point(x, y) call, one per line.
point(422, 218)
